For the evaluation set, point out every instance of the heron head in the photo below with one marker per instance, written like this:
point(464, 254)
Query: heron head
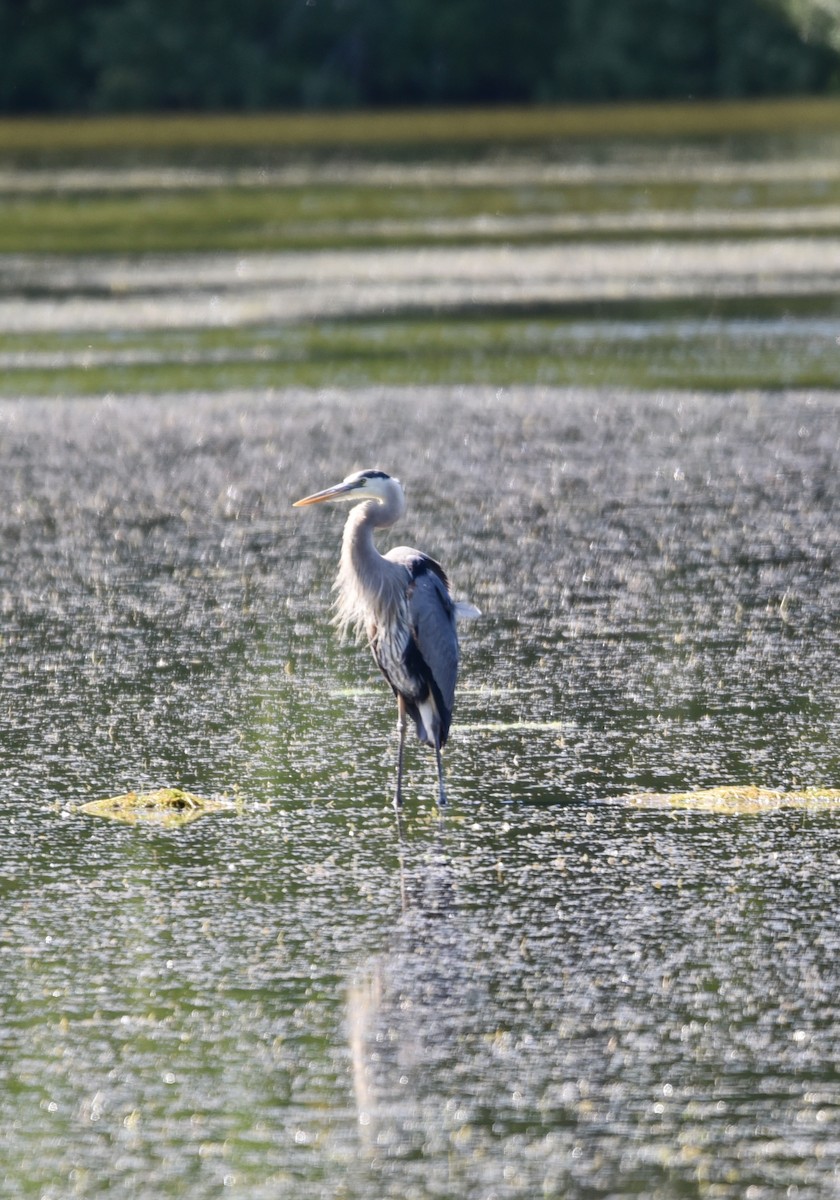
point(361, 485)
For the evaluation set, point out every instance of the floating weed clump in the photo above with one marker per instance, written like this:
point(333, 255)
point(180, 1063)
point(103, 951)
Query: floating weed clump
point(737, 799)
point(166, 807)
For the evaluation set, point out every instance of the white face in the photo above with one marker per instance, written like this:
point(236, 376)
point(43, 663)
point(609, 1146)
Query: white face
point(361, 485)
point(373, 485)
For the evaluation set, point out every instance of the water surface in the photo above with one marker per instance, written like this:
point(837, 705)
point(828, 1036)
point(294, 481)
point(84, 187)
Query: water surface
point(546, 992)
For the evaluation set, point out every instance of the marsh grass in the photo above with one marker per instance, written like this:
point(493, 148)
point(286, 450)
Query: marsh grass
point(551, 349)
point(675, 343)
point(272, 218)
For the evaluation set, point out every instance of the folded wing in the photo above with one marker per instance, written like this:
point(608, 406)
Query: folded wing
point(425, 678)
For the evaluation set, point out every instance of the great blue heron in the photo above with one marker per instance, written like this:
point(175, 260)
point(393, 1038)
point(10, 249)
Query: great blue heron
point(402, 603)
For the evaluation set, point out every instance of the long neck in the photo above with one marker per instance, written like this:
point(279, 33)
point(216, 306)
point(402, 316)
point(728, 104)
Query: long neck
point(357, 545)
point(366, 582)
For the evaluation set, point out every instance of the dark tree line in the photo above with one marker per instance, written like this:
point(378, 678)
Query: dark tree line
point(111, 55)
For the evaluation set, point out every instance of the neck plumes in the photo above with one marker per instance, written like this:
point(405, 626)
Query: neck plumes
point(365, 583)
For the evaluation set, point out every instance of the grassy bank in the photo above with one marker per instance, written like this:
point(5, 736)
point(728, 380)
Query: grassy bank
point(417, 128)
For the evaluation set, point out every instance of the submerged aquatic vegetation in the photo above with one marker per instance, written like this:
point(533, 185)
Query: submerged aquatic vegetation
point(247, 215)
point(634, 346)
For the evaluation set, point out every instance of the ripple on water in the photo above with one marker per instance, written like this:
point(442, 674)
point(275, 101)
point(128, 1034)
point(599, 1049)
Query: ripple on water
point(536, 994)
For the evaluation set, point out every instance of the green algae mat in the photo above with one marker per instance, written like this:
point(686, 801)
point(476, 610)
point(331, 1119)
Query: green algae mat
point(737, 799)
point(167, 807)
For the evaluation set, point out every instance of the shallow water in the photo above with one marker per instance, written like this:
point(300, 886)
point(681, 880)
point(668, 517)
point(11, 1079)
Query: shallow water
point(546, 992)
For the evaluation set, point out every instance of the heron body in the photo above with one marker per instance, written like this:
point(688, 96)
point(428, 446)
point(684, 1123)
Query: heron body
point(401, 602)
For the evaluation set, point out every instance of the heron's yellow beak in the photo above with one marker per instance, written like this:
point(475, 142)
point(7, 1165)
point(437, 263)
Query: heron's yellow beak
point(338, 492)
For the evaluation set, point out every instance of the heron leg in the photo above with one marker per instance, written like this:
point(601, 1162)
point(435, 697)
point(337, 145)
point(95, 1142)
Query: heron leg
point(441, 788)
point(401, 747)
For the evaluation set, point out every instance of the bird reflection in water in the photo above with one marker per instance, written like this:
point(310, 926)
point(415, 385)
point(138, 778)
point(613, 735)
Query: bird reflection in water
point(406, 1011)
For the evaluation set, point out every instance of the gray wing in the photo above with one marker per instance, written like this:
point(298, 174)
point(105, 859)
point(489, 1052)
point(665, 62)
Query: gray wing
point(431, 613)
point(432, 616)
